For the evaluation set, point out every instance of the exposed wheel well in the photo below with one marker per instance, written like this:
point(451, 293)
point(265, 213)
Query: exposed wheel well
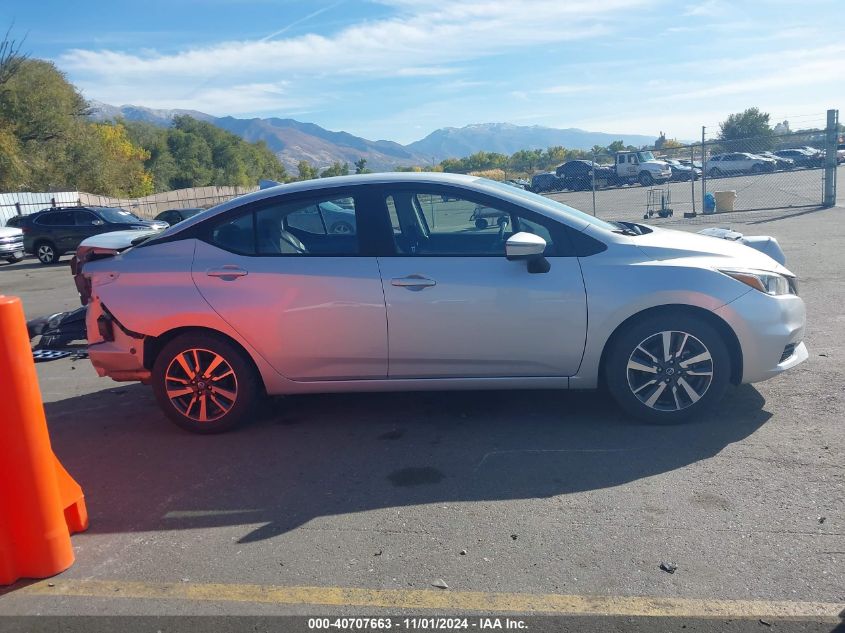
point(154, 344)
point(731, 341)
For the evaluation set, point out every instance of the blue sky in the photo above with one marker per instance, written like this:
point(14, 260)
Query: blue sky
point(398, 69)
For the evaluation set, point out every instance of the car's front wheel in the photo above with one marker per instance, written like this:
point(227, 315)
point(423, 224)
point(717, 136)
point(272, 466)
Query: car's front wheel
point(668, 368)
point(204, 383)
point(646, 179)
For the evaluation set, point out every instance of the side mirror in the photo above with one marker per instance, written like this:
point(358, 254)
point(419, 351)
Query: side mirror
point(524, 246)
point(98, 223)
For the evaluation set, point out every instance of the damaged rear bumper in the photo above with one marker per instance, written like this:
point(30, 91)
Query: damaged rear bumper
point(113, 350)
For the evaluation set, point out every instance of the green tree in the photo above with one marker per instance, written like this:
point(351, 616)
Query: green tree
point(307, 171)
point(361, 166)
point(336, 169)
point(747, 131)
point(616, 146)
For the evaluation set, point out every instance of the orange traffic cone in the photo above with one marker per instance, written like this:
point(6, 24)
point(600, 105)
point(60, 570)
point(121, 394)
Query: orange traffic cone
point(40, 504)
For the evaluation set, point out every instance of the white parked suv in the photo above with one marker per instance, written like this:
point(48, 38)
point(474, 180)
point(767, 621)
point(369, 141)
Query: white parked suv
point(738, 163)
point(11, 244)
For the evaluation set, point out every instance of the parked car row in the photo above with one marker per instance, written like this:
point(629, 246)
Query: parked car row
point(50, 233)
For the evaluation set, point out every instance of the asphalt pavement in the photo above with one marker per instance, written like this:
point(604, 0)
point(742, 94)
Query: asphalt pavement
point(518, 502)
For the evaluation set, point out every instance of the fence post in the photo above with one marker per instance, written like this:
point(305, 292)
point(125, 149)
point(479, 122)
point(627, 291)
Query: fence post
point(593, 171)
point(692, 176)
point(703, 170)
point(829, 199)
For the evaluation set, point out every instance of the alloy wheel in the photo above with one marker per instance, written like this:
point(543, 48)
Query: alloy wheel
point(670, 371)
point(46, 253)
point(201, 385)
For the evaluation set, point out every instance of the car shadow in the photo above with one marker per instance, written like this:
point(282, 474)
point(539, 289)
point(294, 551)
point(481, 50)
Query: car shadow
point(31, 264)
point(310, 456)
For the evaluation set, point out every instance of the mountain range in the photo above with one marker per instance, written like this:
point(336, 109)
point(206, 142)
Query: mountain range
point(293, 141)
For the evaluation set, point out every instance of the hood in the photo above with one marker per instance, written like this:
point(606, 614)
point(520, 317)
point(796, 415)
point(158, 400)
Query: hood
point(153, 224)
point(8, 231)
point(664, 244)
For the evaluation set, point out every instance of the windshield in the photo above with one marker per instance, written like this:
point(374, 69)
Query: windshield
point(645, 156)
point(117, 216)
point(550, 204)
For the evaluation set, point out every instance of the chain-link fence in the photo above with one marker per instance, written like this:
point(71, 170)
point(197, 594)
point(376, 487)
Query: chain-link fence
point(780, 170)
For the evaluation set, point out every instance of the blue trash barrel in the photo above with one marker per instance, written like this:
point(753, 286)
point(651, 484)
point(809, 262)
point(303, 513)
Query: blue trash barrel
point(709, 203)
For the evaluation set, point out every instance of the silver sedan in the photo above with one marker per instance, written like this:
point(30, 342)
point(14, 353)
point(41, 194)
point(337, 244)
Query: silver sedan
point(261, 296)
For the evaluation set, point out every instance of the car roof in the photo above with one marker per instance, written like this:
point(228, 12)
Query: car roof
point(473, 183)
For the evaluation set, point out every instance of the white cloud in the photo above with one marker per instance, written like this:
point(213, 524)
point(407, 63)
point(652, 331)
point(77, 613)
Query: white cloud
point(438, 33)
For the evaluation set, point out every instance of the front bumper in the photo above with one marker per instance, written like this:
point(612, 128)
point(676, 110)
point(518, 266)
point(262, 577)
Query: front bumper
point(770, 332)
point(12, 247)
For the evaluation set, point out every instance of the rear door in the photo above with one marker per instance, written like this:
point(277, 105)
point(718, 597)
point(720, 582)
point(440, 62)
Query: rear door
point(457, 308)
point(59, 228)
point(308, 300)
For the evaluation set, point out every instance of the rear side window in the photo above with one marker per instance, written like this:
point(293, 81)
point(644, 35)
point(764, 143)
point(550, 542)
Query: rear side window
point(56, 218)
point(237, 235)
point(317, 226)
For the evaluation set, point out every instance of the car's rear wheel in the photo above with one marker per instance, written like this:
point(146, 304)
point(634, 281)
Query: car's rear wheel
point(668, 368)
point(204, 383)
point(46, 252)
point(481, 223)
point(14, 259)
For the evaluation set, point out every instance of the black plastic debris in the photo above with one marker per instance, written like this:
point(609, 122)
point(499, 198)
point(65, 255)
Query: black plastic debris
point(669, 568)
point(45, 355)
point(59, 329)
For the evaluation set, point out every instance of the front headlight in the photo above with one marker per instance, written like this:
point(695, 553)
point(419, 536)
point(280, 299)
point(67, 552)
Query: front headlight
point(768, 282)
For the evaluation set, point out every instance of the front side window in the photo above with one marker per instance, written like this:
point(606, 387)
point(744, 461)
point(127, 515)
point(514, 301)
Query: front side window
point(86, 218)
point(440, 224)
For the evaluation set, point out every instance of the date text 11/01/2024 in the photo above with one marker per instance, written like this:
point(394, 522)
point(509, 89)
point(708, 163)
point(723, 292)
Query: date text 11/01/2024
point(416, 624)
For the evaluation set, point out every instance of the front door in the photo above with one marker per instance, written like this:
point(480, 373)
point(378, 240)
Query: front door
point(457, 308)
point(309, 301)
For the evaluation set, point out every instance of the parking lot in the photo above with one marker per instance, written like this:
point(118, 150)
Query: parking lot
point(779, 190)
point(366, 503)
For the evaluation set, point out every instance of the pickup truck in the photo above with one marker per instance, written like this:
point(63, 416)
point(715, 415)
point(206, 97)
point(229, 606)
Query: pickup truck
point(11, 244)
point(641, 167)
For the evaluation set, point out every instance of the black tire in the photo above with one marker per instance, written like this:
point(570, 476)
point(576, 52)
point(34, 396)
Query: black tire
point(46, 252)
point(481, 223)
point(715, 173)
point(502, 221)
point(756, 168)
point(185, 410)
point(14, 259)
point(674, 402)
point(646, 179)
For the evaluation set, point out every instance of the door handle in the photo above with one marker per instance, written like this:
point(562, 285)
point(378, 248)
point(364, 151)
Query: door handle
point(413, 282)
point(227, 273)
